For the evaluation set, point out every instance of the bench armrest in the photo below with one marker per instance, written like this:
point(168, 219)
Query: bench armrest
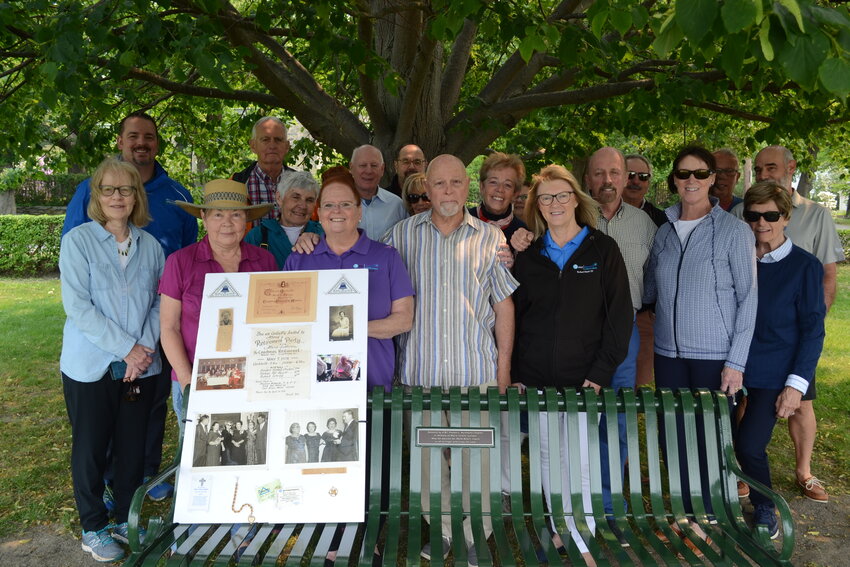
point(787, 542)
point(156, 524)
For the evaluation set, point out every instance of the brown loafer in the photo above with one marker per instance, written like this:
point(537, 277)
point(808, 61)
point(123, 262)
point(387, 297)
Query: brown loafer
point(743, 489)
point(813, 489)
point(691, 545)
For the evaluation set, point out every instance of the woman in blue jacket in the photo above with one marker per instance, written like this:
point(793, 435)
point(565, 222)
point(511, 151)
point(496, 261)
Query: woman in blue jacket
point(701, 278)
point(110, 269)
point(788, 336)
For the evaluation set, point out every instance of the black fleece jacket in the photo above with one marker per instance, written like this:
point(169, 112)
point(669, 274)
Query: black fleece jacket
point(571, 324)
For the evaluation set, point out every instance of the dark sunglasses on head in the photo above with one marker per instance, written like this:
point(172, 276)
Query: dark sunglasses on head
point(641, 176)
point(769, 216)
point(414, 197)
point(698, 173)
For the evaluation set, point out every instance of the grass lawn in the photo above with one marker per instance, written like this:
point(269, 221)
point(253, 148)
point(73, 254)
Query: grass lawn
point(35, 440)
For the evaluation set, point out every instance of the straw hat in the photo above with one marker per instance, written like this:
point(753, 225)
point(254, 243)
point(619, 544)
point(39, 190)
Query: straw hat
point(226, 194)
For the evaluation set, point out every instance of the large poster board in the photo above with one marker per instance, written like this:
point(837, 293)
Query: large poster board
point(275, 427)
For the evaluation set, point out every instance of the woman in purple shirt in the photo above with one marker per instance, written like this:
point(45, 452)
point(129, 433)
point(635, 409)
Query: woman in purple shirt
point(344, 246)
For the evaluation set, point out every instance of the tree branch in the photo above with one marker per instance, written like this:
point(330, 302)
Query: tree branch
point(506, 76)
point(295, 89)
point(413, 93)
point(17, 68)
point(368, 85)
point(530, 102)
point(455, 70)
point(205, 92)
point(734, 112)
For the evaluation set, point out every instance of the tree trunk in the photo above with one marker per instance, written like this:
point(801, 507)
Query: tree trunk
point(7, 203)
point(804, 186)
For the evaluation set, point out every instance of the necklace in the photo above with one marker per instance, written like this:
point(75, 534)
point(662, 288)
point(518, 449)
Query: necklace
point(124, 247)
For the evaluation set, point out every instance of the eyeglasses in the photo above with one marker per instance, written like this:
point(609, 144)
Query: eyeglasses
point(345, 206)
point(769, 216)
point(641, 176)
point(414, 197)
point(563, 197)
point(726, 171)
point(698, 173)
point(123, 190)
point(407, 162)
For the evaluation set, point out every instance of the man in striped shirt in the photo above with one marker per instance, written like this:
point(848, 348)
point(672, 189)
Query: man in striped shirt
point(463, 326)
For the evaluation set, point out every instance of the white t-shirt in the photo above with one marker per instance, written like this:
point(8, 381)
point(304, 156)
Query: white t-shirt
point(684, 228)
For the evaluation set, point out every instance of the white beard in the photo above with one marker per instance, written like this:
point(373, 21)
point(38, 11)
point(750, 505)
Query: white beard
point(449, 209)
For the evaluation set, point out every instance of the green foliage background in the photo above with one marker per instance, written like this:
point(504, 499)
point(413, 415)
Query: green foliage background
point(29, 244)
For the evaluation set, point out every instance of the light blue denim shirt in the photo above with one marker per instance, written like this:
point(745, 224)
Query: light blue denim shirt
point(109, 308)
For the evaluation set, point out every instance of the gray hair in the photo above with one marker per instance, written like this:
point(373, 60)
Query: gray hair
point(297, 180)
point(641, 158)
point(786, 153)
point(262, 121)
point(727, 152)
point(363, 147)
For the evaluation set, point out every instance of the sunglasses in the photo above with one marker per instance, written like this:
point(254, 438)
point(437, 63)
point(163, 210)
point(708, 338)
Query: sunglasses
point(641, 176)
point(414, 197)
point(769, 216)
point(698, 173)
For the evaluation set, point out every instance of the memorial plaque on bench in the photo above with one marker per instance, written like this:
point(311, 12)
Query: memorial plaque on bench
point(469, 437)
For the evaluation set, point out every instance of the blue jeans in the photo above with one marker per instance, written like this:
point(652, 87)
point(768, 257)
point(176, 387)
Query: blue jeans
point(177, 403)
point(753, 436)
point(624, 377)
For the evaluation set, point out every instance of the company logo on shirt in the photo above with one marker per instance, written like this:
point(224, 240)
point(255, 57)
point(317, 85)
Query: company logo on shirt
point(586, 269)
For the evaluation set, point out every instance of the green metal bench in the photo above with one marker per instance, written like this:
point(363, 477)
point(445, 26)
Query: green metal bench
point(521, 528)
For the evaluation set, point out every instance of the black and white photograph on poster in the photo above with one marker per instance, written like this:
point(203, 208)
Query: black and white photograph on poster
point(221, 373)
point(339, 322)
point(231, 439)
point(337, 367)
point(322, 436)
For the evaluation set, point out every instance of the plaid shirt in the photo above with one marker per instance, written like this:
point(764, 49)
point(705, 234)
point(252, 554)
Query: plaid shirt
point(261, 189)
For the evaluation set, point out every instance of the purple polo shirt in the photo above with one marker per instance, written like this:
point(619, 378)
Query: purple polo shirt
point(183, 280)
point(388, 281)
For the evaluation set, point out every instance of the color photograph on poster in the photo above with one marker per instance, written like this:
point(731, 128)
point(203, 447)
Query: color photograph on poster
point(337, 367)
point(275, 408)
point(221, 373)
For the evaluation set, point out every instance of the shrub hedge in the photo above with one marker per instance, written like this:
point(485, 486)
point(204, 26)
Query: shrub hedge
point(29, 244)
point(844, 235)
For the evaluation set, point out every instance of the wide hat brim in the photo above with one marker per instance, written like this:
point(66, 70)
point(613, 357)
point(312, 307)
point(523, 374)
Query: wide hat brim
point(227, 195)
